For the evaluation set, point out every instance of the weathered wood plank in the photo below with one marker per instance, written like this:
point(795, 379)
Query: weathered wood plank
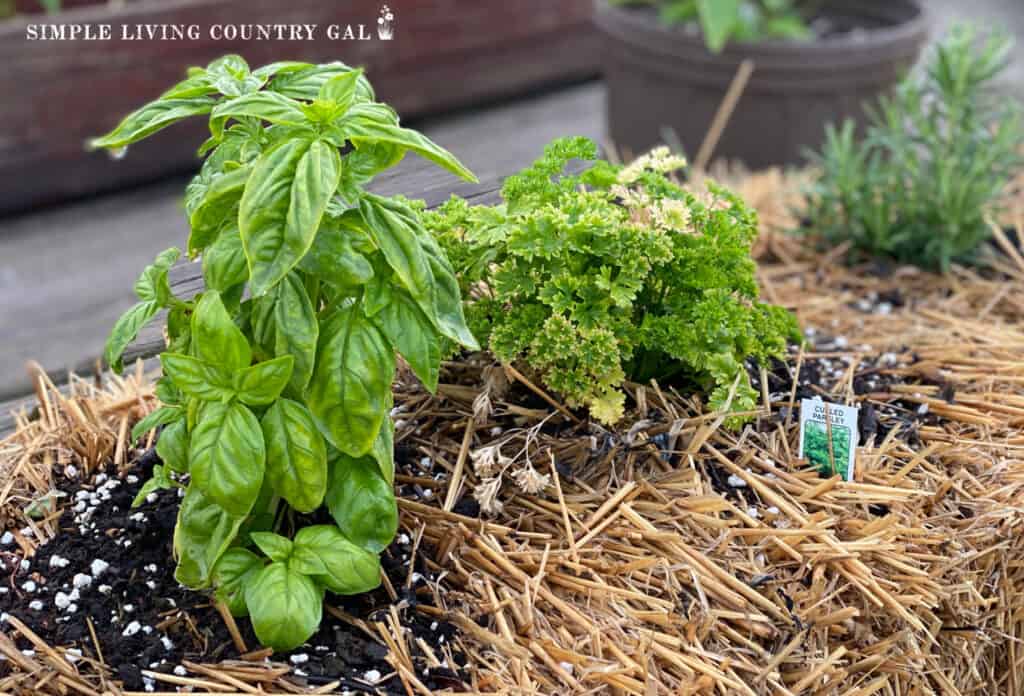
point(444, 54)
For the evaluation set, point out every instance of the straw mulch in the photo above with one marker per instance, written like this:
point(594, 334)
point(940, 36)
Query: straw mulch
point(673, 556)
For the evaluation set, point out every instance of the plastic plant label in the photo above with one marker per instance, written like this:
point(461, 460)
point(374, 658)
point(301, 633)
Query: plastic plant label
point(828, 436)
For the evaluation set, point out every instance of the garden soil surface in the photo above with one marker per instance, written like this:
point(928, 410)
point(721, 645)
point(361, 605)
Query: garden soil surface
point(113, 564)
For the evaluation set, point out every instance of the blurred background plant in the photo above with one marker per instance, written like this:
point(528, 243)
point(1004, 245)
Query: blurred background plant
point(937, 155)
point(739, 20)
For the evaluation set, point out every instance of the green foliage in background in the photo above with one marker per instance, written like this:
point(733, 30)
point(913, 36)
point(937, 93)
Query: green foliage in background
point(936, 157)
point(816, 448)
point(277, 378)
point(615, 273)
point(722, 21)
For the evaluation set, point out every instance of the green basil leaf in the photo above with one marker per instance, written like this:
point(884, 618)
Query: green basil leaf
point(448, 314)
point(224, 264)
point(365, 129)
point(153, 285)
point(362, 502)
point(282, 206)
point(150, 118)
point(203, 533)
point(342, 89)
point(296, 330)
point(167, 392)
point(263, 382)
point(156, 418)
point(412, 333)
point(172, 447)
point(306, 562)
point(383, 450)
point(351, 383)
point(285, 606)
point(264, 327)
point(307, 82)
point(125, 331)
point(277, 547)
point(196, 378)
point(230, 64)
point(281, 67)
point(363, 163)
point(216, 207)
point(158, 481)
point(218, 341)
point(296, 455)
point(227, 456)
point(350, 569)
point(190, 88)
point(397, 239)
point(266, 106)
point(232, 574)
point(333, 259)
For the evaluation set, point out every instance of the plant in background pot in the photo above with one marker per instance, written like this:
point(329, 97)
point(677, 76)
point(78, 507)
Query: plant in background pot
point(812, 64)
point(277, 377)
point(933, 165)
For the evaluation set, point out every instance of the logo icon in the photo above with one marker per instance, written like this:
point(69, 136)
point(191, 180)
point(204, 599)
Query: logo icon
point(386, 24)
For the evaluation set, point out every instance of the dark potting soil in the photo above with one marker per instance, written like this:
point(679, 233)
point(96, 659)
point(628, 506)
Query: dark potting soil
point(114, 565)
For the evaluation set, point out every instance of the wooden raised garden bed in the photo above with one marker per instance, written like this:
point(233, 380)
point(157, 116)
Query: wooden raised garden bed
point(511, 48)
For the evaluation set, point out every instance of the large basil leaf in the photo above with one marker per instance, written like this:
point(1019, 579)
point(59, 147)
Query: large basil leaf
point(224, 264)
point(266, 106)
point(333, 259)
point(411, 332)
point(190, 88)
point(227, 456)
point(153, 284)
point(342, 89)
point(203, 533)
point(296, 455)
point(263, 382)
point(196, 378)
point(383, 450)
point(363, 163)
point(217, 340)
point(349, 568)
point(150, 118)
point(156, 418)
point(362, 502)
point(216, 207)
point(125, 331)
point(307, 82)
point(351, 383)
point(282, 207)
point(172, 447)
point(451, 321)
point(277, 547)
point(369, 129)
point(232, 574)
point(296, 330)
point(396, 238)
point(285, 606)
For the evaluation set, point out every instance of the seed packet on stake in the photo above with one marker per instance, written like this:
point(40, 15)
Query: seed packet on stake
point(828, 436)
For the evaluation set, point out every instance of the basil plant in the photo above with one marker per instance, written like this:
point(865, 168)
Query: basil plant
point(276, 385)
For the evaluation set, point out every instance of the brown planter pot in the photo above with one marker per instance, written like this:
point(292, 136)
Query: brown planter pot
point(665, 81)
point(445, 54)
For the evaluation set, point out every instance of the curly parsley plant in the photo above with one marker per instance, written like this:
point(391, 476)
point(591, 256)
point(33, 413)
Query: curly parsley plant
point(277, 378)
point(611, 274)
